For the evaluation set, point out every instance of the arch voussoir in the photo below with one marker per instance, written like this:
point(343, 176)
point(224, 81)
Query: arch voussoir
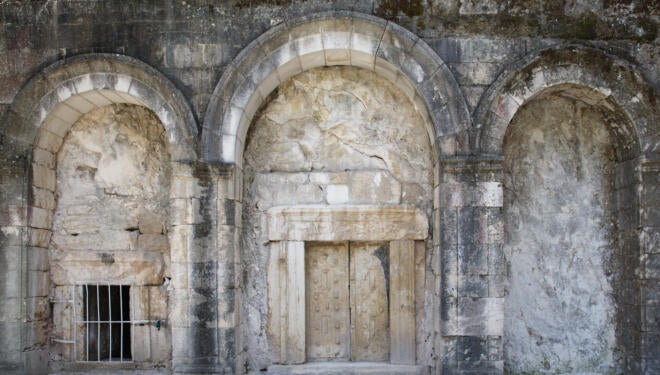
point(342, 38)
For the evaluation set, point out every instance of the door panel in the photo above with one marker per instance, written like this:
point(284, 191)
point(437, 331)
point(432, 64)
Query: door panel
point(369, 267)
point(327, 302)
point(347, 301)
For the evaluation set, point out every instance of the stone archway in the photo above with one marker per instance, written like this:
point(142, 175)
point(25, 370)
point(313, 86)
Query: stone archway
point(347, 142)
point(329, 39)
point(606, 93)
point(36, 125)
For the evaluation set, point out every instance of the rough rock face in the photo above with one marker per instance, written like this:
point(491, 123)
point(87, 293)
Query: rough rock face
point(113, 189)
point(336, 135)
point(559, 314)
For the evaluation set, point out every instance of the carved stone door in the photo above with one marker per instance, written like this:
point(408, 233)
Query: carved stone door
point(347, 301)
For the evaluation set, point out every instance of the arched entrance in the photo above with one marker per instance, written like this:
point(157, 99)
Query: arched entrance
point(337, 199)
point(271, 62)
point(37, 125)
point(573, 147)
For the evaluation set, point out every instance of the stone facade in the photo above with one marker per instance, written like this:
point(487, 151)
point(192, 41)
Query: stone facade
point(445, 187)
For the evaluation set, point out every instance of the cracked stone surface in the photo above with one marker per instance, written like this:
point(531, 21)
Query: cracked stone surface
point(337, 135)
point(112, 186)
point(559, 312)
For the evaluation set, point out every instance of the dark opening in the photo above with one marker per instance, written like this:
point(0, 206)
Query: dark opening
point(107, 322)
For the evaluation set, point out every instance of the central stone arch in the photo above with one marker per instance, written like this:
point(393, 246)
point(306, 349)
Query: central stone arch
point(327, 39)
point(301, 45)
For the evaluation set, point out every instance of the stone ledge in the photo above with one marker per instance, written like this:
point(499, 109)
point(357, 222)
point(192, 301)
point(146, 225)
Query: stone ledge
point(346, 223)
point(348, 368)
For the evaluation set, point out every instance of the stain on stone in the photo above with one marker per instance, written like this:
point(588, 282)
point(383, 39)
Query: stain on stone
point(383, 255)
point(230, 212)
point(391, 9)
point(107, 258)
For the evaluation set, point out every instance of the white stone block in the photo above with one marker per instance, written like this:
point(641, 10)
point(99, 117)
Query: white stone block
point(489, 194)
point(337, 194)
point(337, 57)
point(66, 113)
point(80, 104)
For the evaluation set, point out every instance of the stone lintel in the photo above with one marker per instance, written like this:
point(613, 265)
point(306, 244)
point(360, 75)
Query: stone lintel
point(115, 267)
point(346, 223)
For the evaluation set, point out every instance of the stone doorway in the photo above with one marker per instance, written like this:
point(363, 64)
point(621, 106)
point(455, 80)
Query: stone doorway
point(347, 296)
point(341, 283)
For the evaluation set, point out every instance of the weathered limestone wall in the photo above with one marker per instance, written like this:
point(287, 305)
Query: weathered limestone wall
point(56, 64)
point(111, 221)
point(560, 312)
point(328, 136)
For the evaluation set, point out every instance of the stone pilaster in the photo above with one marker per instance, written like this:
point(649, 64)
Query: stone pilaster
point(649, 249)
point(469, 214)
point(203, 300)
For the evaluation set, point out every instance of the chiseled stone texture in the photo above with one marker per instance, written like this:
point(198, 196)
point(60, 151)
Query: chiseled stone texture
point(559, 313)
point(328, 136)
point(109, 225)
point(112, 182)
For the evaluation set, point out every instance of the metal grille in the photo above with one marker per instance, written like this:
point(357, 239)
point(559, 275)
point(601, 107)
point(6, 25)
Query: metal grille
point(105, 322)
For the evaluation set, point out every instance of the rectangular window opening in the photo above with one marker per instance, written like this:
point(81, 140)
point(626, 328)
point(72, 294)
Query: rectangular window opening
point(106, 323)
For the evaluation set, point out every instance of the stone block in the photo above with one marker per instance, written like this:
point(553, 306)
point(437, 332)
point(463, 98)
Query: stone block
point(651, 318)
point(108, 240)
point(495, 226)
point(123, 267)
point(36, 333)
point(449, 227)
point(473, 259)
point(480, 317)
point(497, 286)
point(185, 211)
point(476, 7)
point(474, 286)
point(488, 194)
point(650, 365)
point(496, 260)
point(473, 95)
point(41, 218)
point(150, 223)
point(10, 309)
point(11, 339)
point(161, 345)
point(14, 217)
point(652, 266)
point(43, 177)
point(186, 187)
point(453, 195)
point(36, 360)
point(473, 226)
point(179, 303)
point(49, 141)
point(44, 158)
point(471, 351)
point(475, 73)
point(37, 308)
point(39, 284)
point(43, 198)
point(650, 345)
point(141, 343)
point(37, 259)
point(337, 194)
point(650, 240)
point(153, 242)
point(373, 187)
point(334, 223)
point(39, 237)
